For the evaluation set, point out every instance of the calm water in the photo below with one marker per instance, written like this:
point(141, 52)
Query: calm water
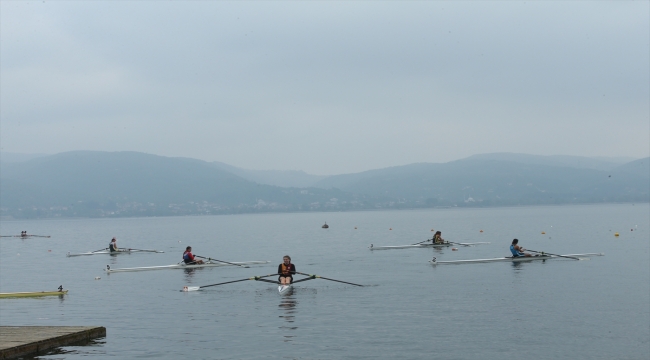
point(595, 309)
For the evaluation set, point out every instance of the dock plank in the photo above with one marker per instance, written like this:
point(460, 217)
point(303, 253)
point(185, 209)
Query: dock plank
point(18, 341)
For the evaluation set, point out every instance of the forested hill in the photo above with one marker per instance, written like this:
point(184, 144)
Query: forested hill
point(101, 184)
point(86, 183)
point(486, 182)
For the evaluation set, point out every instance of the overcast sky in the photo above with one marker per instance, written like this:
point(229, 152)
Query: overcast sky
point(326, 87)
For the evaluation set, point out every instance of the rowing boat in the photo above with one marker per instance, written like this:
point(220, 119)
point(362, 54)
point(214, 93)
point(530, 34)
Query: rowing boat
point(119, 251)
point(282, 289)
point(415, 246)
point(182, 265)
point(32, 294)
point(514, 259)
point(285, 289)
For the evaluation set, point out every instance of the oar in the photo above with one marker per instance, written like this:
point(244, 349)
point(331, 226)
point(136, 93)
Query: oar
point(542, 252)
point(320, 277)
point(461, 244)
point(225, 262)
point(100, 250)
point(195, 288)
point(148, 250)
point(422, 241)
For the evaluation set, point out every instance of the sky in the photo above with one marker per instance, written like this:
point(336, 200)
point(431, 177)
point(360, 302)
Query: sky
point(326, 87)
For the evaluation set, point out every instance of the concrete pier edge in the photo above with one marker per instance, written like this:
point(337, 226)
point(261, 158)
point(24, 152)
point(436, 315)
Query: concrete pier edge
point(19, 341)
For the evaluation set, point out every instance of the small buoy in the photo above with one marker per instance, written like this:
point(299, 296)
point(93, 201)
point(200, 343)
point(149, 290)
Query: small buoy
point(390, 229)
point(432, 230)
point(97, 278)
point(454, 249)
point(543, 232)
point(179, 241)
point(355, 228)
point(615, 234)
point(49, 251)
point(631, 229)
point(481, 231)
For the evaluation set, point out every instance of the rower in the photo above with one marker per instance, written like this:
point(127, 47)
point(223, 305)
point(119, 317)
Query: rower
point(113, 245)
point(517, 250)
point(286, 270)
point(437, 238)
point(23, 234)
point(188, 257)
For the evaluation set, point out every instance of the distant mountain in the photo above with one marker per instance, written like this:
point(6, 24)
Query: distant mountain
point(101, 184)
point(578, 162)
point(639, 167)
point(486, 182)
point(87, 183)
point(284, 178)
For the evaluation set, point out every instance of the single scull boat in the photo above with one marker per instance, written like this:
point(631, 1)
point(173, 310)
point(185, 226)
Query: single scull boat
point(34, 293)
point(182, 265)
point(282, 289)
point(516, 259)
point(119, 251)
point(372, 247)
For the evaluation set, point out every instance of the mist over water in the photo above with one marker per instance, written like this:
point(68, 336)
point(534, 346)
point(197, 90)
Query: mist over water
point(561, 308)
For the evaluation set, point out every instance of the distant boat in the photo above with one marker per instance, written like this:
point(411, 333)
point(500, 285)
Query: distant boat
point(325, 226)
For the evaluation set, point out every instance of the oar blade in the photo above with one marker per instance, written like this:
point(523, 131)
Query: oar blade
point(190, 288)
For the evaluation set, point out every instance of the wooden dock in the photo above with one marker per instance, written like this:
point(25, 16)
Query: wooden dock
point(20, 341)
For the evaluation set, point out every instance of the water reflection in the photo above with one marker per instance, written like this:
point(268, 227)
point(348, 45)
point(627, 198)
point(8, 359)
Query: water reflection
point(189, 274)
point(288, 307)
point(518, 265)
point(112, 259)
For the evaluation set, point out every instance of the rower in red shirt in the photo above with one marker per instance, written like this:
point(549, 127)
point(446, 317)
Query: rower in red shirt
point(188, 257)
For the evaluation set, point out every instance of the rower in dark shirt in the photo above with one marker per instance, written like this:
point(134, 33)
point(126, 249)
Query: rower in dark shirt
point(286, 270)
point(437, 238)
point(112, 247)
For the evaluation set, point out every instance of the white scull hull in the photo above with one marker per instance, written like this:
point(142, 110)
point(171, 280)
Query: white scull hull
point(120, 251)
point(513, 259)
point(284, 289)
point(372, 247)
point(182, 265)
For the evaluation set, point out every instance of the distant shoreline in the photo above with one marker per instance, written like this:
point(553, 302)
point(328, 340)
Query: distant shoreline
point(10, 218)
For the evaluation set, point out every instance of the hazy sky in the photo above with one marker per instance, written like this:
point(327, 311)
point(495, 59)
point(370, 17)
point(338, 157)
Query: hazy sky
point(326, 87)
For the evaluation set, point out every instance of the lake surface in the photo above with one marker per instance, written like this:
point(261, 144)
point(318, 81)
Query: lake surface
point(556, 309)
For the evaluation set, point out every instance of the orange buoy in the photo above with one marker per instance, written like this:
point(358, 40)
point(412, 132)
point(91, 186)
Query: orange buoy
point(481, 231)
point(543, 232)
point(616, 234)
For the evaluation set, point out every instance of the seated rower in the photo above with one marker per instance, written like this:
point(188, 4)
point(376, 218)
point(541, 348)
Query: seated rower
point(517, 250)
point(286, 270)
point(437, 238)
point(112, 247)
point(188, 257)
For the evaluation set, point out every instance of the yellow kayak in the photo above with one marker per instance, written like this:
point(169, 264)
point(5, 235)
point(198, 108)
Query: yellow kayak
point(32, 294)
